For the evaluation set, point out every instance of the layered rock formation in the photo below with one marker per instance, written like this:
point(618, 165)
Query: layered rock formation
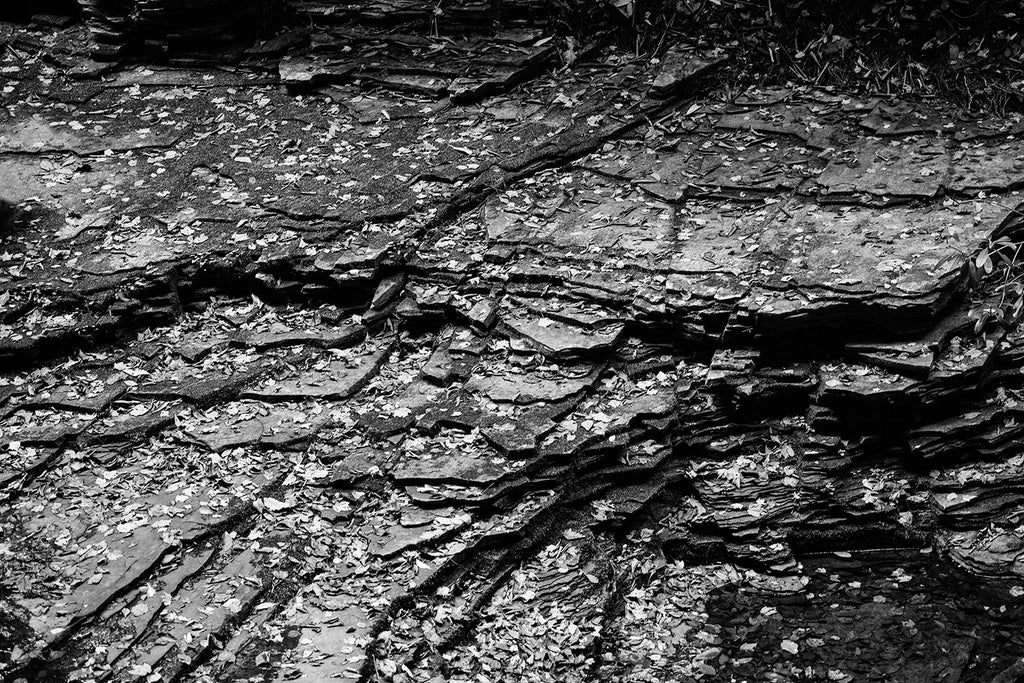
point(327, 371)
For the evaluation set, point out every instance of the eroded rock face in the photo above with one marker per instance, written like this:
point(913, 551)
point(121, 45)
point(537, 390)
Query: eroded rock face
point(362, 377)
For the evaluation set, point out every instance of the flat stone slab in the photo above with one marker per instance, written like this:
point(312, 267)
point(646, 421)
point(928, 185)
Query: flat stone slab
point(45, 427)
point(560, 340)
point(802, 121)
point(91, 391)
point(582, 216)
point(464, 70)
point(458, 469)
point(277, 426)
point(680, 68)
point(334, 638)
point(993, 167)
point(319, 335)
point(136, 253)
point(35, 136)
point(327, 379)
point(200, 390)
point(898, 250)
point(740, 165)
point(914, 167)
point(531, 387)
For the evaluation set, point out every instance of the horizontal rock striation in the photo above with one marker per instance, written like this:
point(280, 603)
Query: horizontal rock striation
point(323, 370)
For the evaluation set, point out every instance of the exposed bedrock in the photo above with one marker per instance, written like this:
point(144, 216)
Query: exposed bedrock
point(324, 371)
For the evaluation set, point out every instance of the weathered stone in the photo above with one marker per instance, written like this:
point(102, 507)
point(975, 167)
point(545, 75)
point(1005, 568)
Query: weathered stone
point(797, 120)
point(648, 374)
point(404, 410)
point(326, 379)
point(278, 426)
point(37, 135)
point(397, 538)
point(559, 340)
point(916, 167)
point(23, 462)
point(769, 166)
point(483, 313)
point(202, 391)
point(213, 604)
point(325, 336)
point(998, 167)
point(131, 425)
point(306, 72)
point(460, 468)
point(387, 290)
point(680, 68)
point(43, 427)
point(532, 387)
point(140, 611)
point(354, 464)
point(335, 638)
point(89, 392)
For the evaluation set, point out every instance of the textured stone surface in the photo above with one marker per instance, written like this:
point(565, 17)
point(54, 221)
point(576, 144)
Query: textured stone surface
point(416, 361)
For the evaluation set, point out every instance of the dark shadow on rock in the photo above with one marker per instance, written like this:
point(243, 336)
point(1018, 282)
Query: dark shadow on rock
point(8, 214)
point(915, 616)
point(22, 11)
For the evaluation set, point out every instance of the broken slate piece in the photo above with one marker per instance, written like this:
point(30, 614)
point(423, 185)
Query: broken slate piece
point(560, 340)
point(451, 467)
point(531, 387)
point(278, 427)
point(483, 314)
point(323, 336)
point(679, 68)
point(387, 290)
point(299, 72)
point(329, 380)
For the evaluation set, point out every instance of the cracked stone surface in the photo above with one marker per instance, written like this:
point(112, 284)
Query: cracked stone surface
point(369, 357)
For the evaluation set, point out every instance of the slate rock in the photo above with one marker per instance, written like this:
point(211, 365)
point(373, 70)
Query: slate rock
point(559, 340)
point(680, 67)
point(326, 379)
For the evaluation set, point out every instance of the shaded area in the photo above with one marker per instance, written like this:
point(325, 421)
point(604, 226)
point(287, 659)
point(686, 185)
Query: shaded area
point(919, 618)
